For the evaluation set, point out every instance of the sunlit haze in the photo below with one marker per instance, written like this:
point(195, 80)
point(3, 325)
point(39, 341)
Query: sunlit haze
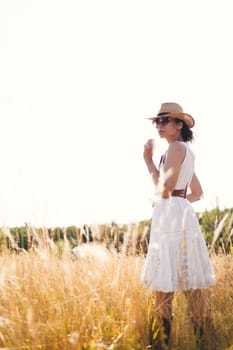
point(79, 78)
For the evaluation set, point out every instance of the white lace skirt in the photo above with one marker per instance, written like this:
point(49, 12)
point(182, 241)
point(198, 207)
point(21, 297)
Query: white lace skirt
point(177, 258)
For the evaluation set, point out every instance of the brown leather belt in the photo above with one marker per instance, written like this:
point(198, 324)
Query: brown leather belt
point(179, 193)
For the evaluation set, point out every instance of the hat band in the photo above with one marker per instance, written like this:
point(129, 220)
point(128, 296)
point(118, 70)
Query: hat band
point(163, 113)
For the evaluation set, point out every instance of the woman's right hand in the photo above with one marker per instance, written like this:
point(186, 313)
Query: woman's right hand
point(149, 150)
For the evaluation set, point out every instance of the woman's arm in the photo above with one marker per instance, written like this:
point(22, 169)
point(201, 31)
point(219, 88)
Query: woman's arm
point(175, 156)
point(196, 189)
point(148, 157)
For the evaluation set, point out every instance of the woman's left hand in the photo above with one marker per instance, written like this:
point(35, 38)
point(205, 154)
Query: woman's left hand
point(149, 150)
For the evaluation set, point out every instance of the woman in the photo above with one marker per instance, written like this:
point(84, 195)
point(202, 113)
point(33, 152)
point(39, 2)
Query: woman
point(177, 257)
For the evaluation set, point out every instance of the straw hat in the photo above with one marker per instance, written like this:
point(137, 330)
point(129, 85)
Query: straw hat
point(174, 110)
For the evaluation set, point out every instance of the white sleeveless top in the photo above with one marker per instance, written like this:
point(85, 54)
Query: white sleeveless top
point(186, 170)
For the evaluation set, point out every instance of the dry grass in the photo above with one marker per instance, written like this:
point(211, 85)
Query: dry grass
point(49, 301)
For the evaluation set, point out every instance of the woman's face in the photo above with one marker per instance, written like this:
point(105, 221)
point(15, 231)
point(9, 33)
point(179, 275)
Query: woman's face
point(168, 128)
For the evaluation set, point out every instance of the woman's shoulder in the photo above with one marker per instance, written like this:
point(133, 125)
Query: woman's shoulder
point(177, 146)
point(176, 152)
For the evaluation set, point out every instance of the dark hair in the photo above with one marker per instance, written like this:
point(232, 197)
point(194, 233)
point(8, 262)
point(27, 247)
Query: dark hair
point(186, 133)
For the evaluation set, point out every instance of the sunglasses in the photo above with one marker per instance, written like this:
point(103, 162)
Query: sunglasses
point(161, 121)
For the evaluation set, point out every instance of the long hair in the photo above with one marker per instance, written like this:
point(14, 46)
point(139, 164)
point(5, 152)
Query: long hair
point(186, 132)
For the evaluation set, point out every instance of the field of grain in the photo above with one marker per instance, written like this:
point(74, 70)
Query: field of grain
point(52, 300)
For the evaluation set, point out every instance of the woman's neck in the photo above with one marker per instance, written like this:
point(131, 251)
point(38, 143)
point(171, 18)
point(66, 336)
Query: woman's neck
point(174, 139)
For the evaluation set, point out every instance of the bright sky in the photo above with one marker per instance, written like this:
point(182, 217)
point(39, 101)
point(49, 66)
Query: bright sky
point(77, 80)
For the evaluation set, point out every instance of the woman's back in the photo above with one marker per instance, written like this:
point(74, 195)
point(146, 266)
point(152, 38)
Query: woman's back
point(186, 170)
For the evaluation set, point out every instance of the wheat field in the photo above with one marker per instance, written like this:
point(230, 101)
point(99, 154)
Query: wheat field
point(54, 300)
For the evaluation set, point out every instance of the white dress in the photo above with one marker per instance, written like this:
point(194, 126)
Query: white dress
point(177, 257)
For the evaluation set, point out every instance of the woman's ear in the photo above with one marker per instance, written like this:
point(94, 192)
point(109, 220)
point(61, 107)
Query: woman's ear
point(180, 125)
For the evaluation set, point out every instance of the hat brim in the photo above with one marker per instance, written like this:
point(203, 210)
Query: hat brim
point(187, 118)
